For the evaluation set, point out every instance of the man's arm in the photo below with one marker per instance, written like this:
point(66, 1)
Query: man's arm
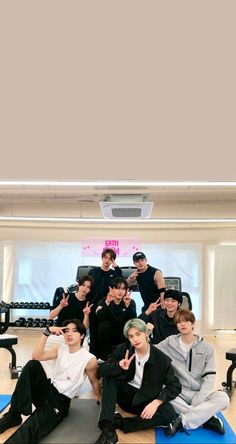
point(39, 353)
point(63, 303)
point(160, 283)
point(208, 378)
point(91, 370)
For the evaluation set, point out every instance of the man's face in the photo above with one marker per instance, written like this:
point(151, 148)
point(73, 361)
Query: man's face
point(141, 264)
point(185, 327)
point(137, 338)
point(107, 261)
point(71, 335)
point(171, 305)
point(85, 288)
point(119, 293)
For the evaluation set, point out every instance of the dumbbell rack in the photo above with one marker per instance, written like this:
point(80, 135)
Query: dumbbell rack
point(26, 306)
point(6, 341)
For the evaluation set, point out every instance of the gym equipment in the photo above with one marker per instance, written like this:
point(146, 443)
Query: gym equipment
point(4, 401)
point(28, 322)
point(230, 384)
point(7, 341)
point(79, 427)
point(35, 322)
point(83, 270)
point(47, 305)
point(43, 322)
point(199, 435)
point(20, 322)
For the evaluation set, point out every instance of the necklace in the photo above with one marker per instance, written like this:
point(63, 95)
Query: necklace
point(141, 361)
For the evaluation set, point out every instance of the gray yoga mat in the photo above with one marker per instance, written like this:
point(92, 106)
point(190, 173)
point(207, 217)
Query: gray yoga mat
point(79, 427)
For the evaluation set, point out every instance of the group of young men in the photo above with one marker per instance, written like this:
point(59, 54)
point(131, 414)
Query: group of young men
point(160, 370)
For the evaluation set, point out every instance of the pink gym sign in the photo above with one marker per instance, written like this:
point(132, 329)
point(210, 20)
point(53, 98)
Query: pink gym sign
point(123, 247)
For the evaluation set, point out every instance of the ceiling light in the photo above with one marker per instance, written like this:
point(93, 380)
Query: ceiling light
point(114, 221)
point(114, 183)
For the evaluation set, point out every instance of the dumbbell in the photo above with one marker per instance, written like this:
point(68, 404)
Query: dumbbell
point(31, 304)
point(47, 305)
point(22, 305)
point(20, 322)
point(28, 322)
point(50, 322)
point(35, 322)
point(43, 322)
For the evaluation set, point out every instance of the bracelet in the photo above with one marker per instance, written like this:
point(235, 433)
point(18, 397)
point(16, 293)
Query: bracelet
point(47, 332)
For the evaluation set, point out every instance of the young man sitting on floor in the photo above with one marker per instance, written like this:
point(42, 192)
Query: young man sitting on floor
point(50, 397)
point(141, 380)
point(194, 365)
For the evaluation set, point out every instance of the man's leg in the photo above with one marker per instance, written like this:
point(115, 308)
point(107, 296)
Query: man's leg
point(32, 387)
point(163, 416)
point(42, 421)
point(104, 336)
point(195, 416)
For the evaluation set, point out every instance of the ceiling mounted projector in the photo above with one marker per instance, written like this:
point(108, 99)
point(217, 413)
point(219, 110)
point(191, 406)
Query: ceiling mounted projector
point(126, 206)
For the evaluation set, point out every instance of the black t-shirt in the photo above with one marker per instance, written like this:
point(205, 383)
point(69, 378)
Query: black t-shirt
point(102, 281)
point(73, 311)
point(147, 287)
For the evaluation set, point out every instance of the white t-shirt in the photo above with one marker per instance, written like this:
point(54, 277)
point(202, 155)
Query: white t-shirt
point(139, 367)
point(69, 371)
point(185, 347)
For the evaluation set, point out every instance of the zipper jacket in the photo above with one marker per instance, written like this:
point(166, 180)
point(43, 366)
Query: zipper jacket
point(196, 372)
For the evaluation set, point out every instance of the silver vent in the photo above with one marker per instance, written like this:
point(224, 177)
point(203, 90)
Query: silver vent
point(126, 207)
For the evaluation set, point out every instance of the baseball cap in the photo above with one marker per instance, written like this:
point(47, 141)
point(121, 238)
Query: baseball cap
point(138, 255)
point(174, 294)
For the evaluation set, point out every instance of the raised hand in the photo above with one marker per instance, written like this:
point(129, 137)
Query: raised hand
point(87, 309)
point(153, 306)
point(127, 298)
point(57, 331)
point(134, 275)
point(109, 297)
point(150, 327)
point(64, 302)
point(125, 363)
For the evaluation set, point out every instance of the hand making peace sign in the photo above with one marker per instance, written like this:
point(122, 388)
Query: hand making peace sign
point(64, 302)
point(125, 363)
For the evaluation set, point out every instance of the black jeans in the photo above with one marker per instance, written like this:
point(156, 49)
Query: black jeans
point(123, 393)
point(33, 387)
point(109, 335)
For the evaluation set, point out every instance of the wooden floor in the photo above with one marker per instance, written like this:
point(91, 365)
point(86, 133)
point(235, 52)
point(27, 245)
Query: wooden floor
point(27, 338)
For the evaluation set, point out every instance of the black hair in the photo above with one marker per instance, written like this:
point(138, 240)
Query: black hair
point(117, 281)
point(80, 327)
point(86, 278)
point(109, 251)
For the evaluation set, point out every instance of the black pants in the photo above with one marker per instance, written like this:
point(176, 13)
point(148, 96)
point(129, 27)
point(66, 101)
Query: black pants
point(93, 334)
point(33, 387)
point(109, 335)
point(123, 393)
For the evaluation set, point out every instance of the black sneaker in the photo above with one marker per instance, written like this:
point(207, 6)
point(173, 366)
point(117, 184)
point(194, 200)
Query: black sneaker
point(215, 424)
point(174, 426)
point(118, 421)
point(9, 420)
point(107, 437)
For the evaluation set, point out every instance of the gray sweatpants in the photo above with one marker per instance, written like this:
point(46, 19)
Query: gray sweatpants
point(195, 416)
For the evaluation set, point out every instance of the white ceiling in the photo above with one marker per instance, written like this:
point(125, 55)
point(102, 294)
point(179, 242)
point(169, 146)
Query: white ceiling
point(169, 201)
